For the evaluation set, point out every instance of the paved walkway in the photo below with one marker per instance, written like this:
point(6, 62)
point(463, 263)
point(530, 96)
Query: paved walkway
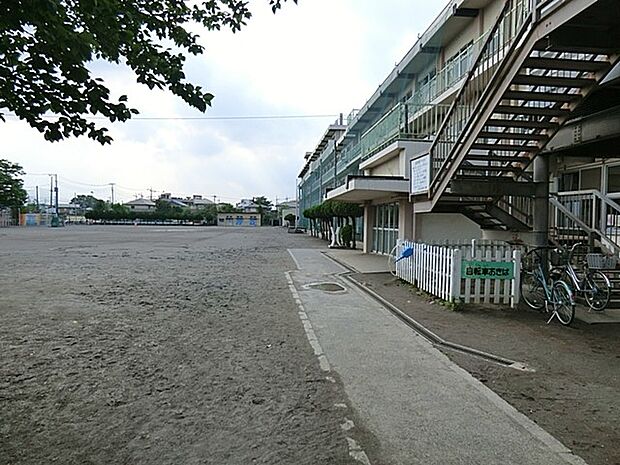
point(359, 261)
point(422, 408)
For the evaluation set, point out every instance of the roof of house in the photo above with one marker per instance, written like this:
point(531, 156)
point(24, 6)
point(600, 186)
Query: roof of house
point(200, 201)
point(143, 202)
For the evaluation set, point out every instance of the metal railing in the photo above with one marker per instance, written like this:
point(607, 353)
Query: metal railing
point(521, 208)
point(453, 71)
point(591, 211)
point(347, 155)
point(405, 121)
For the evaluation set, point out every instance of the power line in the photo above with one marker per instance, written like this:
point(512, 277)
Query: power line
point(201, 118)
point(78, 183)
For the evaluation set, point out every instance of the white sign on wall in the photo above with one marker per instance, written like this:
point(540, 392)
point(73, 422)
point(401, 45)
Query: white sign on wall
point(420, 174)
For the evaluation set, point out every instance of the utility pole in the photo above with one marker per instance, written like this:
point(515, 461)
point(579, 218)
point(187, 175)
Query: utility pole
point(56, 195)
point(151, 195)
point(51, 190)
point(112, 189)
point(37, 196)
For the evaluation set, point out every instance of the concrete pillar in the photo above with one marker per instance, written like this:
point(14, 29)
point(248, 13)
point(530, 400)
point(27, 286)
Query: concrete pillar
point(369, 221)
point(541, 202)
point(405, 220)
point(541, 207)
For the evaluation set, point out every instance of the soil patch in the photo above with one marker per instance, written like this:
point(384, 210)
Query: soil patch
point(147, 345)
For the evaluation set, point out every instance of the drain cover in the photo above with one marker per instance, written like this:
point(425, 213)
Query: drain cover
point(327, 287)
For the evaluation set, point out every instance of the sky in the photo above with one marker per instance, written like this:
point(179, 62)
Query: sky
point(316, 59)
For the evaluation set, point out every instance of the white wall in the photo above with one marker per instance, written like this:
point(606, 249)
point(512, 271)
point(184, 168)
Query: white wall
point(433, 227)
point(389, 168)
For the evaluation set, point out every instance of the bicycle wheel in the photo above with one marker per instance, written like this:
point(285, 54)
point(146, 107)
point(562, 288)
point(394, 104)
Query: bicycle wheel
point(563, 302)
point(599, 290)
point(392, 257)
point(532, 290)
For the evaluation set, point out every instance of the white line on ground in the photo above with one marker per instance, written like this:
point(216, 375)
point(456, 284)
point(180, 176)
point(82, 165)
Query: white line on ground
point(355, 450)
point(294, 259)
point(347, 425)
point(310, 334)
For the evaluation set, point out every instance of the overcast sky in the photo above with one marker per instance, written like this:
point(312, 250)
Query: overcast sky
point(321, 57)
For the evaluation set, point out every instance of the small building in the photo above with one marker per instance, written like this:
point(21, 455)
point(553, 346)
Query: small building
point(288, 207)
point(239, 219)
point(141, 205)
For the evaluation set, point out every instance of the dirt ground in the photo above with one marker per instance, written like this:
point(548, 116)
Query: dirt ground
point(574, 392)
point(158, 345)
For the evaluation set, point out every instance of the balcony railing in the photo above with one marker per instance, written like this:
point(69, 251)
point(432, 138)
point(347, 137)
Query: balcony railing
point(347, 155)
point(449, 75)
point(406, 121)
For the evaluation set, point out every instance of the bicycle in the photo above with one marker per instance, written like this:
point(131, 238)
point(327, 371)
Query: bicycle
point(593, 285)
point(539, 293)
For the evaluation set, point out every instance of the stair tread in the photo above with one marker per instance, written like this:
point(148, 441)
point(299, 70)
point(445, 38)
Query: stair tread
point(552, 81)
point(540, 96)
point(505, 147)
point(564, 64)
point(485, 157)
point(493, 122)
point(525, 110)
point(512, 136)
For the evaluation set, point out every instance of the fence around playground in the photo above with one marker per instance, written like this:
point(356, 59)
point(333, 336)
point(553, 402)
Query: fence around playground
point(475, 272)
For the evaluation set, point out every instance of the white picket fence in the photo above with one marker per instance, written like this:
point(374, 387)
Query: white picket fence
point(437, 269)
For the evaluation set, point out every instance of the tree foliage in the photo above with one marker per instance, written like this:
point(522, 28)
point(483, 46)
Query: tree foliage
point(86, 202)
point(322, 215)
point(45, 47)
point(118, 212)
point(12, 193)
point(333, 209)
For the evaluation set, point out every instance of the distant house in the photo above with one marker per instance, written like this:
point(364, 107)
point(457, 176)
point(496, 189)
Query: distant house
point(239, 219)
point(140, 205)
point(247, 206)
point(70, 209)
point(173, 201)
point(196, 202)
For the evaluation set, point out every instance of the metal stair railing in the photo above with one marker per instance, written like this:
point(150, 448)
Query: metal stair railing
point(521, 208)
point(566, 227)
point(599, 213)
point(507, 30)
point(496, 55)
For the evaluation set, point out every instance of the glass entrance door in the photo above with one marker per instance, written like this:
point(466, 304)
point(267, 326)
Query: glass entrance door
point(385, 228)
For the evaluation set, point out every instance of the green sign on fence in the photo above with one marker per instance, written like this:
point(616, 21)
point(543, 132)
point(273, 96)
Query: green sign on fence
point(474, 269)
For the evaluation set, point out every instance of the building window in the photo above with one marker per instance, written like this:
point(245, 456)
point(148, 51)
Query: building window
point(613, 179)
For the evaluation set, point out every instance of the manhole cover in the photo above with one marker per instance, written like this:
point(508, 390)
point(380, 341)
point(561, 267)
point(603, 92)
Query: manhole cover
point(327, 287)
